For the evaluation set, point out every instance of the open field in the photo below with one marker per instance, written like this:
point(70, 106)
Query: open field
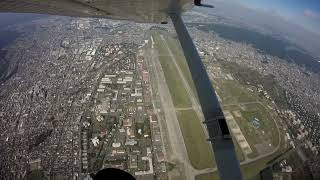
point(177, 90)
point(199, 152)
point(246, 75)
point(35, 175)
point(233, 93)
point(267, 127)
point(198, 148)
point(255, 120)
point(249, 171)
point(181, 60)
point(262, 138)
point(250, 113)
point(208, 176)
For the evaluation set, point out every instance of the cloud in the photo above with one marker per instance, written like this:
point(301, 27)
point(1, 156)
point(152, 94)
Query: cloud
point(311, 14)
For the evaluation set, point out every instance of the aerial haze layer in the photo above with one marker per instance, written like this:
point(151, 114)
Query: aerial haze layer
point(81, 94)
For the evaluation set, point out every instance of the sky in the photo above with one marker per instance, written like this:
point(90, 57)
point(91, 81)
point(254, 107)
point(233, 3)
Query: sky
point(303, 12)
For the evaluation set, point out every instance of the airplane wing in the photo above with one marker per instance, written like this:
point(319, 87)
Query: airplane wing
point(153, 11)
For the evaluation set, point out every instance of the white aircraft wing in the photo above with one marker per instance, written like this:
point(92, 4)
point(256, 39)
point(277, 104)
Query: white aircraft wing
point(155, 11)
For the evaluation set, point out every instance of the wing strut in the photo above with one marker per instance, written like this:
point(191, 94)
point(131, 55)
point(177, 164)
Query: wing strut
point(219, 135)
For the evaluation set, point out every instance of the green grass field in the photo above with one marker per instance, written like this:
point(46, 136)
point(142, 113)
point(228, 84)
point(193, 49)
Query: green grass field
point(208, 176)
point(249, 171)
point(266, 121)
point(266, 133)
point(236, 97)
point(199, 152)
point(181, 60)
point(35, 175)
point(233, 93)
point(247, 75)
point(177, 90)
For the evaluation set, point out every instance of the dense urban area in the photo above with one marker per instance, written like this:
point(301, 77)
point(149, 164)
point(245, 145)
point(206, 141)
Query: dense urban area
point(78, 95)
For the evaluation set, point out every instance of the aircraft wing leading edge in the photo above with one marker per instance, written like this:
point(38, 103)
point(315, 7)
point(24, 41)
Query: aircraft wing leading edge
point(152, 11)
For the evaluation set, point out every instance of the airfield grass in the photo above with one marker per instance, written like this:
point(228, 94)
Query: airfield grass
point(176, 48)
point(208, 176)
point(177, 90)
point(250, 171)
point(246, 75)
point(236, 97)
point(35, 175)
point(233, 93)
point(266, 133)
point(266, 122)
point(199, 151)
